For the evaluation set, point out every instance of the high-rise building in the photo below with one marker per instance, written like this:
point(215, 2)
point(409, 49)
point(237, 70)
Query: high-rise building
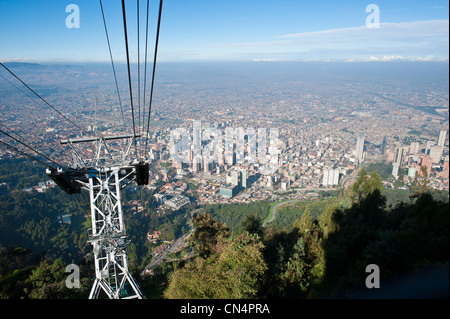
point(441, 140)
point(390, 156)
point(197, 136)
point(234, 178)
point(445, 169)
point(269, 181)
point(206, 167)
point(399, 155)
point(360, 147)
point(228, 191)
point(411, 172)
point(414, 147)
point(383, 145)
point(336, 177)
point(325, 177)
point(261, 145)
point(330, 177)
point(428, 146)
point(285, 184)
point(395, 167)
point(244, 178)
point(196, 164)
point(427, 162)
point(436, 153)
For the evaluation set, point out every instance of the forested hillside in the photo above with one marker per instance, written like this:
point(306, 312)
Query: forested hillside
point(313, 249)
point(327, 257)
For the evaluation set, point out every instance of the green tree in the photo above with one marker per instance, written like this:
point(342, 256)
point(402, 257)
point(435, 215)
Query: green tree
point(317, 258)
point(305, 224)
point(233, 271)
point(366, 184)
point(206, 234)
point(296, 276)
point(421, 181)
point(327, 221)
point(252, 225)
point(47, 281)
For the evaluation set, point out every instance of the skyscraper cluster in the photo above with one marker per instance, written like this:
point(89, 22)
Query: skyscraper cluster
point(360, 147)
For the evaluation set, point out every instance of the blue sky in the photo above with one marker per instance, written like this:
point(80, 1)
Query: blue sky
point(232, 30)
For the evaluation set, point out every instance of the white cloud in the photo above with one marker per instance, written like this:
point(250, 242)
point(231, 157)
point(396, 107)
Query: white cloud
point(404, 31)
point(388, 58)
point(412, 41)
point(17, 60)
point(267, 60)
point(385, 58)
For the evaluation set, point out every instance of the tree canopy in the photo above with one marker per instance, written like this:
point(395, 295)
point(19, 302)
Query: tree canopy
point(232, 270)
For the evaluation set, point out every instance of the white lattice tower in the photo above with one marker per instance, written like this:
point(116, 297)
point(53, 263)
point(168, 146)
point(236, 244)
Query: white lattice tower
point(108, 235)
point(104, 176)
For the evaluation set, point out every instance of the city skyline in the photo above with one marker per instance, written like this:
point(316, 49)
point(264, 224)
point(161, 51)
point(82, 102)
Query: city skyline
point(229, 31)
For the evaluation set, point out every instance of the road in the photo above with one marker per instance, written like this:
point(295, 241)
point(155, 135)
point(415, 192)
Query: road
point(175, 246)
point(274, 210)
point(348, 180)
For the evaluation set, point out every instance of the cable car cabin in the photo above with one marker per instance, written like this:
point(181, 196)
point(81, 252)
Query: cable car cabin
point(68, 185)
point(141, 173)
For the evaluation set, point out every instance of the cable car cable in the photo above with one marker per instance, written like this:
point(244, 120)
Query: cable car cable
point(129, 72)
point(139, 72)
point(29, 147)
point(22, 91)
point(43, 99)
point(25, 154)
point(19, 136)
point(112, 63)
point(153, 75)
point(145, 67)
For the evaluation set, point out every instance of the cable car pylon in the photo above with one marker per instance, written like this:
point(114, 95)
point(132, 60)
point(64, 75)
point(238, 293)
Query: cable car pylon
point(104, 176)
